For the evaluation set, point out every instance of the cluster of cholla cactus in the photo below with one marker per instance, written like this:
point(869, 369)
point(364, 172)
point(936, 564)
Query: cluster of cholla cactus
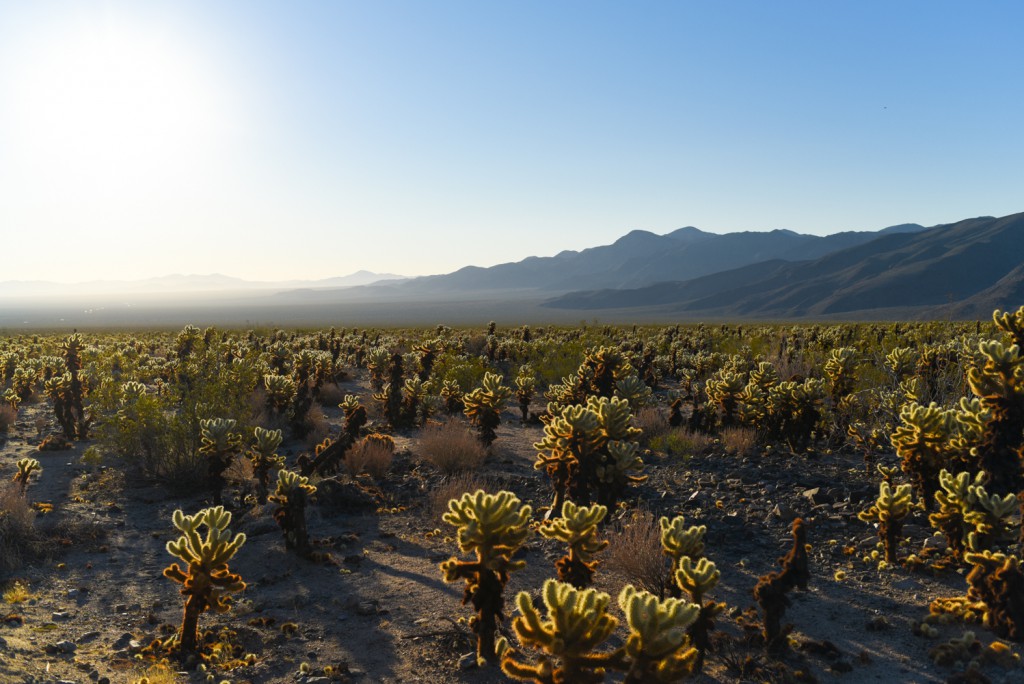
point(290, 499)
point(889, 510)
point(588, 451)
point(220, 445)
point(484, 404)
point(492, 527)
point(67, 391)
point(578, 624)
point(771, 589)
point(605, 372)
point(969, 516)
point(206, 579)
point(264, 458)
point(280, 394)
point(451, 394)
point(578, 528)
point(27, 467)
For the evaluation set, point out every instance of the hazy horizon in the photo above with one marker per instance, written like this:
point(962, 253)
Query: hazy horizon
point(311, 140)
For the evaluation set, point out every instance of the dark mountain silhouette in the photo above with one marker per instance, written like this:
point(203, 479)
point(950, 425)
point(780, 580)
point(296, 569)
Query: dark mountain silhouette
point(641, 258)
point(963, 269)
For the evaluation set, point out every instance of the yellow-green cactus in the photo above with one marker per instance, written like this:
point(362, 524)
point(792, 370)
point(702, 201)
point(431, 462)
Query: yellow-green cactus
point(491, 527)
point(679, 541)
point(526, 386)
point(902, 361)
point(26, 468)
point(999, 384)
point(991, 516)
point(889, 510)
point(725, 390)
point(220, 445)
point(997, 582)
point(1011, 324)
point(658, 645)
point(291, 496)
point(578, 528)
point(206, 581)
point(840, 368)
point(697, 578)
point(922, 441)
point(483, 406)
point(577, 624)
point(264, 458)
point(954, 499)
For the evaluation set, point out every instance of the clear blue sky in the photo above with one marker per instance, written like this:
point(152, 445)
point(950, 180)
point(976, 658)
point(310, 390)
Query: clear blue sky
point(277, 140)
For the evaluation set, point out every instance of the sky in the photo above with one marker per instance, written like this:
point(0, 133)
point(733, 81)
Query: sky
point(270, 140)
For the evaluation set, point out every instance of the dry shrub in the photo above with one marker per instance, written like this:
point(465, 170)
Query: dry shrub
point(453, 487)
point(8, 414)
point(652, 421)
point(319, 428)
point(18, 536)
point(634, 552)
point(451, 447)
point(240, 473)
point(740, 440)
point(331, 395)
point(372, 455)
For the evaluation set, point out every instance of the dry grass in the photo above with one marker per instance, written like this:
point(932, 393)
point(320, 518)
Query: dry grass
point(451, 447)
point(370, 456)
point(653, 421)
point(452, 488)
point(8, 415)
point(18, 536)
point(740, 440)
point(681, 442)
point(634, 552)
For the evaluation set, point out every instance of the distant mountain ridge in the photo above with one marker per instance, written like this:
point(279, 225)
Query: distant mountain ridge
point(964, 269)
point(642, 258)
point(177, 282)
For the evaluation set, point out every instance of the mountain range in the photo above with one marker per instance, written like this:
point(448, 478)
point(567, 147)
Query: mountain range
point(959, 270)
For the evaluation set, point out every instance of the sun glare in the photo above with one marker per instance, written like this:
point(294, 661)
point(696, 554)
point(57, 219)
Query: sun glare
point(114, 108)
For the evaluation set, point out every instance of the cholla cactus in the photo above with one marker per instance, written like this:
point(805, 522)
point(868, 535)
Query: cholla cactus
point(578, 528)
point(770, 591)
point(600, 370)
point(922, 441)
point(492, 527)
point(990, 517)
point(577, 624)
point(206, 581)
point(794, 410)
point(220, 445)
point(840, 368)
point(526, 386)
point(451, 393)
point(1011, 323)
point(280, 393)
point(633, 390)
point(999, 383)
point(889, 510)
point(483, 406)
point(12, 398)
point(679, 541)
point(724, 389)
point(901, 362)
point(954, 499)
point(588, 451)
point(26, 468)
point(658, 645)
point(697, 578)
point(355, 415)
point(996, 580)
point(264, 458)
point(377, 363)
point(292, 493)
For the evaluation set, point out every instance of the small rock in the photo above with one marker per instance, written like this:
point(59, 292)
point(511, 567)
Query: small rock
point(123, 641)
point(121, 608)
point(66, 646)
point(88, 636)
point(59, 616)
point(937, 543)
point(468, 661)
point(907, 584)
point(73, 593)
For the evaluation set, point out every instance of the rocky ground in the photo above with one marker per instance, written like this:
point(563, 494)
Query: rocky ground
point(379, 611)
